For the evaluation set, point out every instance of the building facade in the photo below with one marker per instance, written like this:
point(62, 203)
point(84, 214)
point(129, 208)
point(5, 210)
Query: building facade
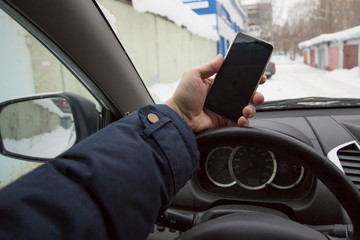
point(259, 18)
point(225, 16)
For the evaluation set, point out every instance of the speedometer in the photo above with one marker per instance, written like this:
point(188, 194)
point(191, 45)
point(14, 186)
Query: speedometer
point(252, 168)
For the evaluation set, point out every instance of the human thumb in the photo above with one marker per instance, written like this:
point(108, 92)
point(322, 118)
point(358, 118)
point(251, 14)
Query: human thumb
point(209, 69)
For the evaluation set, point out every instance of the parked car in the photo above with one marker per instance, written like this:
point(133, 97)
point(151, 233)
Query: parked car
point(270, 70)
point(296, 170)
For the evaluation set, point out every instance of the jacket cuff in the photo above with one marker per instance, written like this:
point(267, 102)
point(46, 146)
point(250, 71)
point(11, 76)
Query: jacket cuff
point(175, 138)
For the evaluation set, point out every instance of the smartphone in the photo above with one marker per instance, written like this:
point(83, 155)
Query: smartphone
point(238, 77)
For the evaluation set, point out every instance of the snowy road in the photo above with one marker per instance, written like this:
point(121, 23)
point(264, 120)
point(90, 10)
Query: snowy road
point(293, 80)
point(296, 80)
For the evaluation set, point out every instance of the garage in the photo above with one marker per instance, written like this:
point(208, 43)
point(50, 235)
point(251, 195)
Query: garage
point(334, 50)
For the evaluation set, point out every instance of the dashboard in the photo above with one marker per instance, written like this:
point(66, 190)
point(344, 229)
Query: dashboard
point(250, 173)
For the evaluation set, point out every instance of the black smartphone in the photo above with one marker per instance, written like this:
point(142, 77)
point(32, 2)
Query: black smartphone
point(239, 76)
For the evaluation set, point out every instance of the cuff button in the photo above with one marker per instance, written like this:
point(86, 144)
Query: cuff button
point(152, 118)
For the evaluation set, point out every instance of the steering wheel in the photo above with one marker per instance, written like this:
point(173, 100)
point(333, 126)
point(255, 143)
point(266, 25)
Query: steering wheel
point(260, 226)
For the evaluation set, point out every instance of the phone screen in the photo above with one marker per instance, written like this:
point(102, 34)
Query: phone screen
point(238, 77)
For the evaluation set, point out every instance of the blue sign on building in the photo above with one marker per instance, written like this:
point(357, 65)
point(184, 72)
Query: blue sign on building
point(202, 6)
point(225, 16)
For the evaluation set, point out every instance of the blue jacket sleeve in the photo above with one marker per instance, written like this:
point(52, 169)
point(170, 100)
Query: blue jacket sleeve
point(112, 185)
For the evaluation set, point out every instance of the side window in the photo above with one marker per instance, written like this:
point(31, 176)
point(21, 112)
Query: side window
point(29, 68)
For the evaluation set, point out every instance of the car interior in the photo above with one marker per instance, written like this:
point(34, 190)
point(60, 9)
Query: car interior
point(293, 174)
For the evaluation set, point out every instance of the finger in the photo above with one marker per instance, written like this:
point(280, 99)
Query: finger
point(208, 82)
point(263, 79)
point(209, 69)
point(257, 98)
point(243, 121)
point(249, 111)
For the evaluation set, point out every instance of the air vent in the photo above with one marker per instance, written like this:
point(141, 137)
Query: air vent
point(349, 157)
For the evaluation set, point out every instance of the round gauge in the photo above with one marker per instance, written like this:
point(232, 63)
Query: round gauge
point(252, 168)
point(287, 175)
point(217, 167)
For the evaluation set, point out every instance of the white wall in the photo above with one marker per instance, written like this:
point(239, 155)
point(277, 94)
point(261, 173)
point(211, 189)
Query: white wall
point(15, 64)
point(160, 49)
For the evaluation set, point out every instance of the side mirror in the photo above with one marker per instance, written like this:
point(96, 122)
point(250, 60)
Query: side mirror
point(41, 127)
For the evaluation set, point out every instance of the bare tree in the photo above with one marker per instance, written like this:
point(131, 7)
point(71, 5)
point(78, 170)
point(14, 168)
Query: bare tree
point(308, 19)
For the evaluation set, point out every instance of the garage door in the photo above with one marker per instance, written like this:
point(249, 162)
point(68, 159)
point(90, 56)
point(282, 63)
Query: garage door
point(351, 56)
point(333, 54)
point(312, 58)
point(306, 57)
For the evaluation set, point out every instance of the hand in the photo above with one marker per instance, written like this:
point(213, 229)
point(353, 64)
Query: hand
point(189, 98)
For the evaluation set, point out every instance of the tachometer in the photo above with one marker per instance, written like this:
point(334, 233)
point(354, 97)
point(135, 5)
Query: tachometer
point(287, 175)
point(217, 167)
point(252, 168)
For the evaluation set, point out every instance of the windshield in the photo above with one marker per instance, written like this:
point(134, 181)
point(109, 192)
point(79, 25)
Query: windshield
point(316, 56)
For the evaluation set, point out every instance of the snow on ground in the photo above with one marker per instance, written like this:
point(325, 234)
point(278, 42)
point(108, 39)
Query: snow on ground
point(54, 142)
point(296, 80)
point(163, 91)
point(293, 79)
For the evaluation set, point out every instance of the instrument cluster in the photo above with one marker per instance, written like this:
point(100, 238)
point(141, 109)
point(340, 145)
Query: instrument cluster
point(251, 168)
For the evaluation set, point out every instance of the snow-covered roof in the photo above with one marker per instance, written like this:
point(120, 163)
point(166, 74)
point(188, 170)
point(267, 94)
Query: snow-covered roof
point(182, 15)
point(341, 36)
